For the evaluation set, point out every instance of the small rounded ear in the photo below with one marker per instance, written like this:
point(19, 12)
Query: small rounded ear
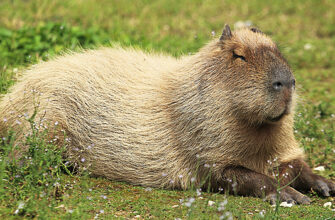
point(226, 33)
point(256, 30)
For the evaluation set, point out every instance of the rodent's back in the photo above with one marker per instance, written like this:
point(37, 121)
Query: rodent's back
point(109, 98)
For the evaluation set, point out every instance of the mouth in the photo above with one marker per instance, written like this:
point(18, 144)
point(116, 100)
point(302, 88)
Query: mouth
point(276, 119)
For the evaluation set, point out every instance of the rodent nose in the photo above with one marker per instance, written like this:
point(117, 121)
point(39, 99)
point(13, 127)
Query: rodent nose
point(278, 85)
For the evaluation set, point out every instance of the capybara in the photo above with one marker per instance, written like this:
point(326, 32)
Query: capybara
point(221, 118)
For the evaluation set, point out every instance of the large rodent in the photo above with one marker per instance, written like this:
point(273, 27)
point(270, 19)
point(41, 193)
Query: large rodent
point(154, 120)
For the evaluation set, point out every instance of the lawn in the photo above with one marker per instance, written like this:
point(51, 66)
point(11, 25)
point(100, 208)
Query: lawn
point(35, 30)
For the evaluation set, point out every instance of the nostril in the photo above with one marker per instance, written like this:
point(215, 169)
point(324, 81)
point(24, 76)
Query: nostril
point(277, 85)
point(293, 83)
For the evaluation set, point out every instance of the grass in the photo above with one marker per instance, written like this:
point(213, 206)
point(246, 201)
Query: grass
point(37, 30)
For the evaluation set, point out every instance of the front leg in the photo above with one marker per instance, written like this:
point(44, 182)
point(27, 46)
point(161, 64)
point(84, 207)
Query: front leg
point(243, 181)
point(304, 179)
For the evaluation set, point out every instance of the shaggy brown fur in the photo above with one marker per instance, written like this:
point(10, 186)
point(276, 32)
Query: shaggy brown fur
point(153, 120)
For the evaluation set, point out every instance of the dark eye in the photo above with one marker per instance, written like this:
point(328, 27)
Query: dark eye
point(236, 56)
point(293, 83)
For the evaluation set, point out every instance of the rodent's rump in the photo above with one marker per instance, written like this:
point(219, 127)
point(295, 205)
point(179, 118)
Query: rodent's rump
point(154, 120)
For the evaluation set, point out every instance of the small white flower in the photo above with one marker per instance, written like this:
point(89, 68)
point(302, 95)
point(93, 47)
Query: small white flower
point(285, 204)
point(83, 160)
point(70, 211)
point(327, 204)
point(18, 122)
point(228, 216)
point(224, 202)
point(192, 179)
point(320, 168)
point(21, 205)
point(5, 120)
point(56, 123)
point(206, 165)
point(211, 203)
point(261, 213)
point(101, 211)
point(188, 204)
point(213, 33)
point(148, 189)
point(290, 166)
point(198, 192)
point(164, 174)
point(308, 46)
point(103, 196)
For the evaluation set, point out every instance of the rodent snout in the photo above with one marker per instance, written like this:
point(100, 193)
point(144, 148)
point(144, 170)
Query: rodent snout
point(278, 85)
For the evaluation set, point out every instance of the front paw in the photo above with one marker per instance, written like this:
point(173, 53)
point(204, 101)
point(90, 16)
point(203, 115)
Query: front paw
point(288, 195)
point(323, 186)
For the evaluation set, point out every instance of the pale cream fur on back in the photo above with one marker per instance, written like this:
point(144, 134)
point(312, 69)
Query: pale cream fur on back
point(143, 118)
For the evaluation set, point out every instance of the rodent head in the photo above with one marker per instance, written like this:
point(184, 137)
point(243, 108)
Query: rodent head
point(257, 80)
